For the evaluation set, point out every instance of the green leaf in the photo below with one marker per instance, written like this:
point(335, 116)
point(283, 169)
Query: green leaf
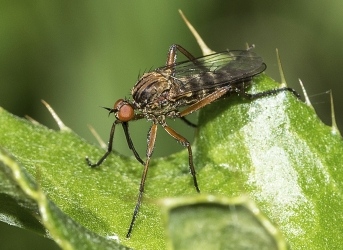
point(209, 222)
point(24, 204)
point(274, 150)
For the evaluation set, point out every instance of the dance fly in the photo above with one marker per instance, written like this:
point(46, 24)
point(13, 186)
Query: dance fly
point(178, 89)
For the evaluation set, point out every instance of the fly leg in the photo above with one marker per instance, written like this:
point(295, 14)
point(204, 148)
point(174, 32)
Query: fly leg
point(172, 54)
point(191, 124)
point(171, 59)
point(225, 90)
point(150, 149)
point(185, 143)
point(130, 143)
point(110, 144)
point(109, 148)
point(207, 100)
point(265, 93)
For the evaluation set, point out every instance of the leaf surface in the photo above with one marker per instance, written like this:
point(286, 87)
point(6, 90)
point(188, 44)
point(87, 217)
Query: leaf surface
point(273, 149)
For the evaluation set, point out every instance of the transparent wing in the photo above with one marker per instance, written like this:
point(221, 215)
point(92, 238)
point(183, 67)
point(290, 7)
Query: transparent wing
point(214, 70)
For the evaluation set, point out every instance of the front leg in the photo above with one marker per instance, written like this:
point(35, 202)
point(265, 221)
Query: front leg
point(130, 143)
point(109, 148)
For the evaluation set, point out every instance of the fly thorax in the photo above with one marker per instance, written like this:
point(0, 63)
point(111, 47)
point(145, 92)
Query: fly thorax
point(150, 117)
point(151, 90)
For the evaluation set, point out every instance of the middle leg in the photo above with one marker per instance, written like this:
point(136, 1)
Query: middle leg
point(150, 149)
point(185, 143)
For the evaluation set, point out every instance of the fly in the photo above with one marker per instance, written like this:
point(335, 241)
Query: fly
point(188, 85)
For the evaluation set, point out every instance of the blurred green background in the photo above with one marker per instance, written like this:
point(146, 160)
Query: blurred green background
point(79, 55)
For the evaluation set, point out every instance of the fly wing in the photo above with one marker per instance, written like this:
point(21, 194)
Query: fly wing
point(215, 70)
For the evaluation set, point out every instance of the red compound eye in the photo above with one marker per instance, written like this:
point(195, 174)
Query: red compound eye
point(125, 111)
